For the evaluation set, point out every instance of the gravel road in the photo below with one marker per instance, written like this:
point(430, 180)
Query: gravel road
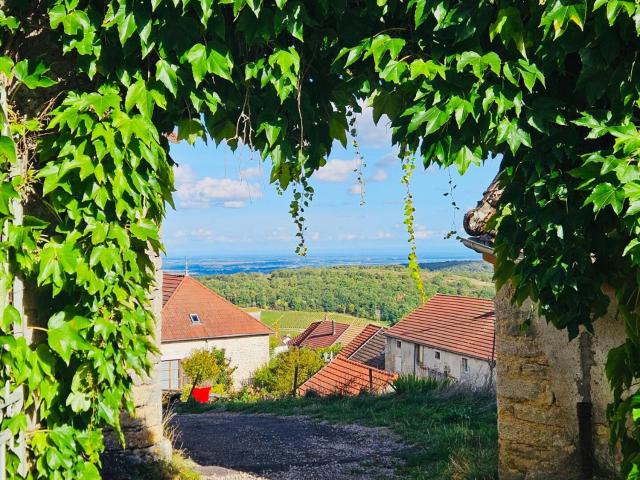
point(232, 446)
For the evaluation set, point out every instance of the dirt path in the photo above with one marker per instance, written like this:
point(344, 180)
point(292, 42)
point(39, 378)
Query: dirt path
point(234, 446)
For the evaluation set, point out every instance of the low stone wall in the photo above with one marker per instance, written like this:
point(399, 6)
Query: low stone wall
point(541, 378)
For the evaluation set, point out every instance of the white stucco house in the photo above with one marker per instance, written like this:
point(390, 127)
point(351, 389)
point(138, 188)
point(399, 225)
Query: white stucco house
point(194, 317)
point(448, 336)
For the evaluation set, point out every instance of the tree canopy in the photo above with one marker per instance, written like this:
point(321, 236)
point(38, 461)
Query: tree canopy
point(90, 89)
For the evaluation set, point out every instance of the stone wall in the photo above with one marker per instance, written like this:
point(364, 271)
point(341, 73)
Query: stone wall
point(541, 378)
point(144, 431)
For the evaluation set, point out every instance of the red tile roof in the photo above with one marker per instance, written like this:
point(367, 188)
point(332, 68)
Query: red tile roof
point(169, 284)
point(346, 377)
point(457, 324)
point(183, 295)
point(365, 335)
point(320, 335)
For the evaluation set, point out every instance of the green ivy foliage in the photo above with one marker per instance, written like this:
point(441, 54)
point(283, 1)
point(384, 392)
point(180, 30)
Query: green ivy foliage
point(551, 86)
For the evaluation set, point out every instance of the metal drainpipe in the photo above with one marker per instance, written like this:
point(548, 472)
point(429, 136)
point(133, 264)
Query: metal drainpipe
point(585, 439)
point(584, 408)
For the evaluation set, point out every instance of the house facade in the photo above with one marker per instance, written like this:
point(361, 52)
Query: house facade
point(447, 337)
point(195, 317)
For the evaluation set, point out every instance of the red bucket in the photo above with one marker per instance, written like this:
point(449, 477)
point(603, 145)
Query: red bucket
point(201, 395)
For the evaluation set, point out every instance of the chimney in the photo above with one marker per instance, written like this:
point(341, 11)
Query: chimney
point(333, 328)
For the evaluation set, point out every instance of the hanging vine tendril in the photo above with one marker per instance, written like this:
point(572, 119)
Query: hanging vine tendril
point(454, 206)
point(408, 166)
point(360, 163)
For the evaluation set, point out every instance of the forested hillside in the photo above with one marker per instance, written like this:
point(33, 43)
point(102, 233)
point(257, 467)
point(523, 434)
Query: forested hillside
point(385, 293)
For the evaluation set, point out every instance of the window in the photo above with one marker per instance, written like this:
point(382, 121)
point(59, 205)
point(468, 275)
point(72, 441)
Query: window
point(398, 344)
point(465, 365)
point(170, 375)
point(194, 318)
point(437, 355)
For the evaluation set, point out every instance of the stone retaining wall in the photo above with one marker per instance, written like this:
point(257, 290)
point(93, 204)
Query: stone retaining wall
point(541, 377)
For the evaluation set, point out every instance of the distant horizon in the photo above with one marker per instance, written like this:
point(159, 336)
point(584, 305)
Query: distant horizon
point(267, 263)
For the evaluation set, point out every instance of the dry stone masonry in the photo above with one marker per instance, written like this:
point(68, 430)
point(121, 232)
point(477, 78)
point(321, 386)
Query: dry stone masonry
point(552, 396)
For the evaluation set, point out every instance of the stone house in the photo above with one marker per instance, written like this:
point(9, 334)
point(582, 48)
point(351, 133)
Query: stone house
point(358, 368)
point(552, 393)
point(195, 317)
point(448, 336)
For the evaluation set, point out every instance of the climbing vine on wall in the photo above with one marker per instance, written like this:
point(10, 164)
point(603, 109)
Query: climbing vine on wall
point(90, 89)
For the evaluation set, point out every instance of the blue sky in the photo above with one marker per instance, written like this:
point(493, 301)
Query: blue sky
point(226, 206)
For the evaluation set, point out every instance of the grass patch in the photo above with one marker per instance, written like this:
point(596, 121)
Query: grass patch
point(292, 322)
point(178, 467)
point(453, 432)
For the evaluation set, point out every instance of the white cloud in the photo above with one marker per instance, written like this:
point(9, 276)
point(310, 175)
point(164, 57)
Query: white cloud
point(382, 234)
point(347, 236)
point(251, 172)
point(314, 236)
point(281, 234)
point(336, 170)
point(204, 234)
point(233, 204)
point(356, 189)
point(199, 193)
point(379, 176)
point(421, 232)
point(368, 133)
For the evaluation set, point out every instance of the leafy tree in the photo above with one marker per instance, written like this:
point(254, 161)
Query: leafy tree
point(277, 377)
point(386, 293)
point(89, 89)
point(208, 366)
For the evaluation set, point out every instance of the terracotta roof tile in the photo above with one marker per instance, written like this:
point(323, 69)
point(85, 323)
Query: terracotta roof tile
point(350, 348)
point(320, 335)
point(183, 295)
point(372, 351)
point(350, 334)
point(345, 377)
point(169, 284)
point(457, 324)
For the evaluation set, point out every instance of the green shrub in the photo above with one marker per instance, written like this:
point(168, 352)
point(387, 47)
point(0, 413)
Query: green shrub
point(276, 378)
point(415, 384)
point(208, 368)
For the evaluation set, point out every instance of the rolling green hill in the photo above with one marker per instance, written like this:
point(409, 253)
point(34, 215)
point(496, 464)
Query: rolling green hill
point(384, 293)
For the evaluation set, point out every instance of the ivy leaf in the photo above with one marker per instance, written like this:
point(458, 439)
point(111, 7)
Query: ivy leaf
point(166, 73)
point(190, 130)
point(79, 402)
point(144, 229)
point(126, 26)
point(8, 149)
point(35, 77)
point(10, 318)
point(137, 95)
point(606, 194)
point(197, 57)
point(219, 64)
point(63, 336)
point(338, 129)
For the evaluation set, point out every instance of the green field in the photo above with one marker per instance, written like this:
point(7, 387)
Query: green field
point(293, 322)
